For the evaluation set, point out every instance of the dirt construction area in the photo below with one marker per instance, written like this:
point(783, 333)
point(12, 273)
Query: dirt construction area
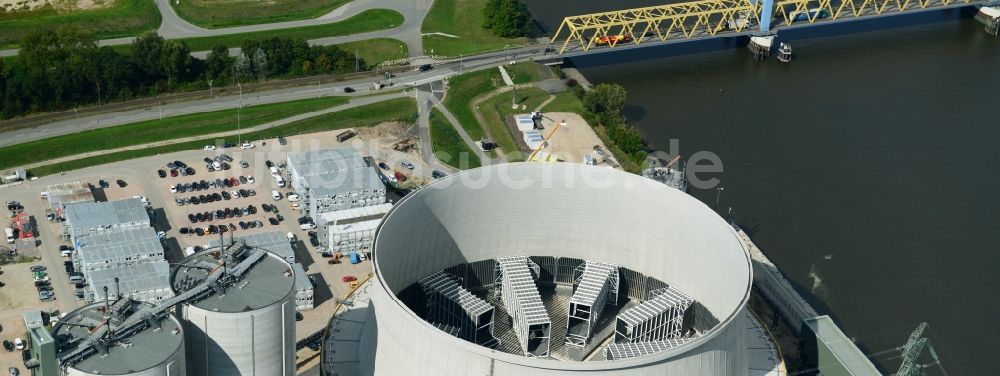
point(574, 138)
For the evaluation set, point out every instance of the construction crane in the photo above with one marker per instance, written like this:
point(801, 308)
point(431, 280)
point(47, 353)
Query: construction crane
point(545, 141)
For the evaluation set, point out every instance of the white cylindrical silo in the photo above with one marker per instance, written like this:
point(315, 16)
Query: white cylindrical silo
point(246, 329)
point(154, 351)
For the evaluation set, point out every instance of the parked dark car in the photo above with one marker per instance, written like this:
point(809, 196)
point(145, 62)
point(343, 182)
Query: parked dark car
point(348, 89)
point(8, 345)
point(199, 217)
point(161, 173)
point(190, 171)
point(281, 141)
point(180, 164)
point(438, 174)
point(244, 164)
point(104, 184)
point(226, 195)
point(314, 242)
point(184, 230)
point(326, 254)
point(383, 166)
point(268, 163)
point(243, 225)
point(200, 231)
point(426, 67)
point(279, 217)
point(273, 221)
point(195, 200)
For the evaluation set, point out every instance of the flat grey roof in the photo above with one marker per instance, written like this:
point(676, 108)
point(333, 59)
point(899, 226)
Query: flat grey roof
point(148, 276)
point(325, 161)
point(343, 182)
point(268, 281)
point(274, 241)
point(301, 279)
point(86, 215)
point(148, 348)
point(135, 244)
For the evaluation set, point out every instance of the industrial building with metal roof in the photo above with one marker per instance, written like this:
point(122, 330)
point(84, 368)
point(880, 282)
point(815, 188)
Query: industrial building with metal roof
point(87, 217)
point(275, 242)
point(115, 249)
point(148, 281)
point(351, 229)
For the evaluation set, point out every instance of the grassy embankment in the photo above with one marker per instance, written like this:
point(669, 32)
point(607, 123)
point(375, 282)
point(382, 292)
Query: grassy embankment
point(149, 131)
point(464, 89)
point(217, 14)
point(448, 144)
point(126, 18)
point(464, 19)
point(400, 109)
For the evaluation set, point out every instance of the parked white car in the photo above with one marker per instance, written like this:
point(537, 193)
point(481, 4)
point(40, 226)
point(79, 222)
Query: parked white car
point(19, 343)
point(291, 237)
point(276, 195)
point(246, 145)
point(209, 147)
point(292, 197)
point(250, 179)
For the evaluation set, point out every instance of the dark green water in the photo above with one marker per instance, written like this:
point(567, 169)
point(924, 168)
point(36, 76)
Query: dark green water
point(867, 169)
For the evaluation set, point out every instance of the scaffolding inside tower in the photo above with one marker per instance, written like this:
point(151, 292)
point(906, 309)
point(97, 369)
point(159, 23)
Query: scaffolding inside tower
point(456, 310)
point(595, 286)
point(515, 282)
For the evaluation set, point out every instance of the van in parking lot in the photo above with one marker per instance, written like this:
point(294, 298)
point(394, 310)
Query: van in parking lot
point(279, 181)
point(76, 279)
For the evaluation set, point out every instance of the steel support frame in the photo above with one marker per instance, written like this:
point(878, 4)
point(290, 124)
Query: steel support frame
point(587, 311)
point(450, 305)
point(516, 283)
point(711, 16)
point(659, 318)
point(837, 9)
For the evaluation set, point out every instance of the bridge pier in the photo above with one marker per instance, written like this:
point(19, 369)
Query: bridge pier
point(990, 17)
point(760, 44)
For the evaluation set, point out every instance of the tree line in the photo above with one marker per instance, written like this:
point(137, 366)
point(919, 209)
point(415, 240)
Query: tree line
point(64, 68)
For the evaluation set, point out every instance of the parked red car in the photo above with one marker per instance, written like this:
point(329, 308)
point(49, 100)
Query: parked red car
point(349, 278)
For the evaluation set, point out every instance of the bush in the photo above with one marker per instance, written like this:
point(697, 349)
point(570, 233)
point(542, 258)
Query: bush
point(507, 18)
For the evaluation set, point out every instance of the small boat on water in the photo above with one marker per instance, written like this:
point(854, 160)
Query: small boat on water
point(785, 53)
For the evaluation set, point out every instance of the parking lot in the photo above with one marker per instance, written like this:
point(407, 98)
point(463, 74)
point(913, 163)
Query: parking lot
point(141, 178)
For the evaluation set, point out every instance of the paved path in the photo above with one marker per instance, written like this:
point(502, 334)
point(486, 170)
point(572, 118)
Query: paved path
point(486, 159)
point(413, 11)
point(424, 103)
point(355, 102)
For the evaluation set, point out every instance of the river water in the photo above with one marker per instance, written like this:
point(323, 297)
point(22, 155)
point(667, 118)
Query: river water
point(866, 169)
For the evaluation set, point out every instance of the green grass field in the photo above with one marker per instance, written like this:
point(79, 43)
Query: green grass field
point(224, 13)
point(464, 88)
point(375, 51)
point(157, 130)
point(369, 20)
point(373, 114)
point(448, 144)
point(496, 110)
point(127, 18)
point(462, 18)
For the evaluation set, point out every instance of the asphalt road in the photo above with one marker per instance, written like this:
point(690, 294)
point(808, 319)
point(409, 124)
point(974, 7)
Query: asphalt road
point(405, 80)
point(413, 11)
